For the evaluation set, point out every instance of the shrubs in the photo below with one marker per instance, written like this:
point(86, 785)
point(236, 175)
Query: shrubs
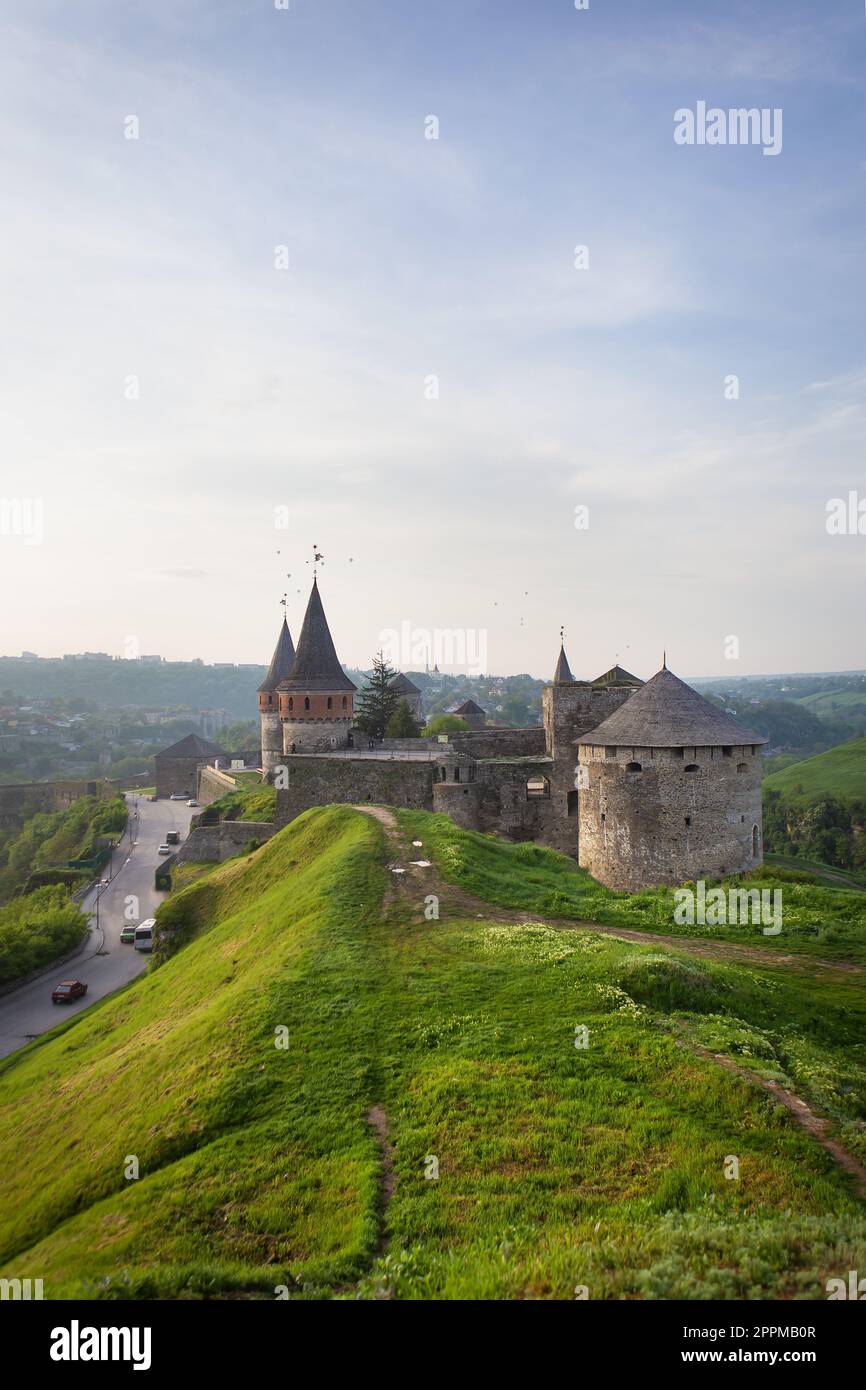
point(36, 929)
point(825, 828)
point(666, 983)
point(41, 878)
point(51, 840)
point(257, 803)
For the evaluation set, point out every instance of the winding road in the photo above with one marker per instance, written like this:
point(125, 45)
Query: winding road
point(102, 962)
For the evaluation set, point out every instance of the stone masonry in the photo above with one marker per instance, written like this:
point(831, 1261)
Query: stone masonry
point(642, 783)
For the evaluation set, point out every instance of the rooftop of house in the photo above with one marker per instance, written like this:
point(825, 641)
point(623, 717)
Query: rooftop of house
point(617, 675)
point(402, 685)
point(193, 746)
point(467, 707)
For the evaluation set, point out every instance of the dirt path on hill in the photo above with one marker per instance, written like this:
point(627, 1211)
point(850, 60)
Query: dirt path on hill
point(378, 1122)
point(813, 1124)
point(463, 904)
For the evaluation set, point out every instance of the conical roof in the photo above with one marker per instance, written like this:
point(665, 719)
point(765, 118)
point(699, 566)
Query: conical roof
point(562, 675)
point(617, 676)
point(667, 713)
point(281, 661)
point(316, 665)
point(402, 685)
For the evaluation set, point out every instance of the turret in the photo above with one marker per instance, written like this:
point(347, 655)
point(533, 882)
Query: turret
point(670, 790)
point(315, 698)
point(269, 713)
point(562, 675)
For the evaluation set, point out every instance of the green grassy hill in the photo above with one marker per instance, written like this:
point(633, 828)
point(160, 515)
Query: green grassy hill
point(840, 772)
point(828, 703)
point(412, 1043)
point(252, 801)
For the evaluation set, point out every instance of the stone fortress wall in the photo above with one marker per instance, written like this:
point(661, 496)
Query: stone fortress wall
point(634, 811)
point(321, 781)
point(216, 843)
point(20, 800)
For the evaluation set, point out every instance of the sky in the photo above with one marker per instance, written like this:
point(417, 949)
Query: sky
point(283, 316)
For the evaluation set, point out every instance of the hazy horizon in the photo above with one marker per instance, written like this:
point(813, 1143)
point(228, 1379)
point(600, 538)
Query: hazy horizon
point(733, 674)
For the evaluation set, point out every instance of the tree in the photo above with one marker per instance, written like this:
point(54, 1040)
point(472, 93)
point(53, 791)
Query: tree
point(243, 733)
point(445, 724)
point(377, 701)
point(403, 723)
point(514, 711)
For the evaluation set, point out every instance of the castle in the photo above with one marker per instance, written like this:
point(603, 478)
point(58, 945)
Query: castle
point(642, 783)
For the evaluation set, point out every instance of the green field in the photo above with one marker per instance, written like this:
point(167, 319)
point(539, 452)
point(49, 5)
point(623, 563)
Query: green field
point(840, 772)
point(818, 920)
point(828, 702)
point(413, 1043)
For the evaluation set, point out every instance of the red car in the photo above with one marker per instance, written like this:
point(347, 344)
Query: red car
point(67, 990)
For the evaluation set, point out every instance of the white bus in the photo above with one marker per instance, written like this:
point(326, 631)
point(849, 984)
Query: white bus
point(144, 935)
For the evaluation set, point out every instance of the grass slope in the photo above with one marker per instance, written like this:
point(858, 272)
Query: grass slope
point(840, 772)
point(827, 702)
point(817, 920)
point(252, 801)
point(558, 1166)
point(814, 869)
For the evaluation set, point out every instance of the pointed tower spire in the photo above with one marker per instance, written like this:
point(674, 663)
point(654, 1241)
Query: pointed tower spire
point(316, 665)
point(281, 661)
point(562, 675)
point(269, 703)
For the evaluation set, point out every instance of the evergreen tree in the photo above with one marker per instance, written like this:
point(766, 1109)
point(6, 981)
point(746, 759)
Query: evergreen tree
point(377, 701)
point(403, 723)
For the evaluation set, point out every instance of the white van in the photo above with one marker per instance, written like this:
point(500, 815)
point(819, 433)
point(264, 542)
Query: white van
point(144, 935)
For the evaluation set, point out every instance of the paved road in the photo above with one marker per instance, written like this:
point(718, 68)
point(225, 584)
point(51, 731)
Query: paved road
point(103, 963)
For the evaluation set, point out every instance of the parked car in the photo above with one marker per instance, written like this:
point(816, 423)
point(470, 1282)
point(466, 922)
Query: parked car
point(172, 837)
point(144, 935)
point(192, 801)
point(151, 798)
point(178, 796)
point(164, 849)
point(67, 990)
point(127, 934)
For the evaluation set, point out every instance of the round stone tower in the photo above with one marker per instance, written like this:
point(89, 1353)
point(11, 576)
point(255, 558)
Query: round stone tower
point(315, 698)
point(269, 712)
point(669, 790)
